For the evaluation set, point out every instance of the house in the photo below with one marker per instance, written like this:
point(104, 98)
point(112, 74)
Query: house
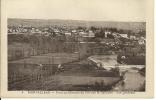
point(91, 34)
point(74, 31)
point(83, 34)
point(33, 30)
point(67, 34)
point(116, 35)
point(106, 33)
point(132, 37)
point(47, 34)
point(124, 35)
point(10, 30)
point(24, 30)
point(88, 34)
point(56, 31)
point(141, 41)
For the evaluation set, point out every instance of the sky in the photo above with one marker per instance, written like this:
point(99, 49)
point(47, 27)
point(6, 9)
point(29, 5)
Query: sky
point(90, 10)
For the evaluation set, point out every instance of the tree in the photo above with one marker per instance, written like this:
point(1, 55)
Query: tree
point(110, 36)
point(93, 28)
point(100, 34)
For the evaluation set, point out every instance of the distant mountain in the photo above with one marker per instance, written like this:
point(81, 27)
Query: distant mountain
point(46, 22)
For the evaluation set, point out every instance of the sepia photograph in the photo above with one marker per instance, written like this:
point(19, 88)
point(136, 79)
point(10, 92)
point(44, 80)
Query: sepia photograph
point(68, 55)
point(76, 45)
point(74, 54)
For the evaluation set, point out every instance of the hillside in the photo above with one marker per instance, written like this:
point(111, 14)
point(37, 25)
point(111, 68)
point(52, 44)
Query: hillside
point(42, 22)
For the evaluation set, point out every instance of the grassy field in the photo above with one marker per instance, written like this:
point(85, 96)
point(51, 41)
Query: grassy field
point(50, 58)
point(27, 74)
point(72, 83)
point(77, 83)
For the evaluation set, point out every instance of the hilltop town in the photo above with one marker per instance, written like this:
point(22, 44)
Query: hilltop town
point(110, 39)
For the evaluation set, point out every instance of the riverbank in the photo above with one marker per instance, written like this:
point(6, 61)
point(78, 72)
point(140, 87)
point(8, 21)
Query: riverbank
point(132, 81)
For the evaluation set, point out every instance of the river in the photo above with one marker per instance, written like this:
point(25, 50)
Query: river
point(132, 81)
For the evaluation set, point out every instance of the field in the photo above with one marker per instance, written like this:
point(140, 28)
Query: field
point(50, 58)
point(52, 79)
point(72, 83)
point(42, 73)
point(28, 74)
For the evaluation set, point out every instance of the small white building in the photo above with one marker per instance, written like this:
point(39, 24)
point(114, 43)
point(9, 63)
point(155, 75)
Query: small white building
point(116, 35)
point(91, 34)
point(132, 37)
point(124, 35)
point(56, 31)
point(83, 34)
point(141, 41)
point(67, 34)
point(33, 30)
point(106, 33)
point(73, 31)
